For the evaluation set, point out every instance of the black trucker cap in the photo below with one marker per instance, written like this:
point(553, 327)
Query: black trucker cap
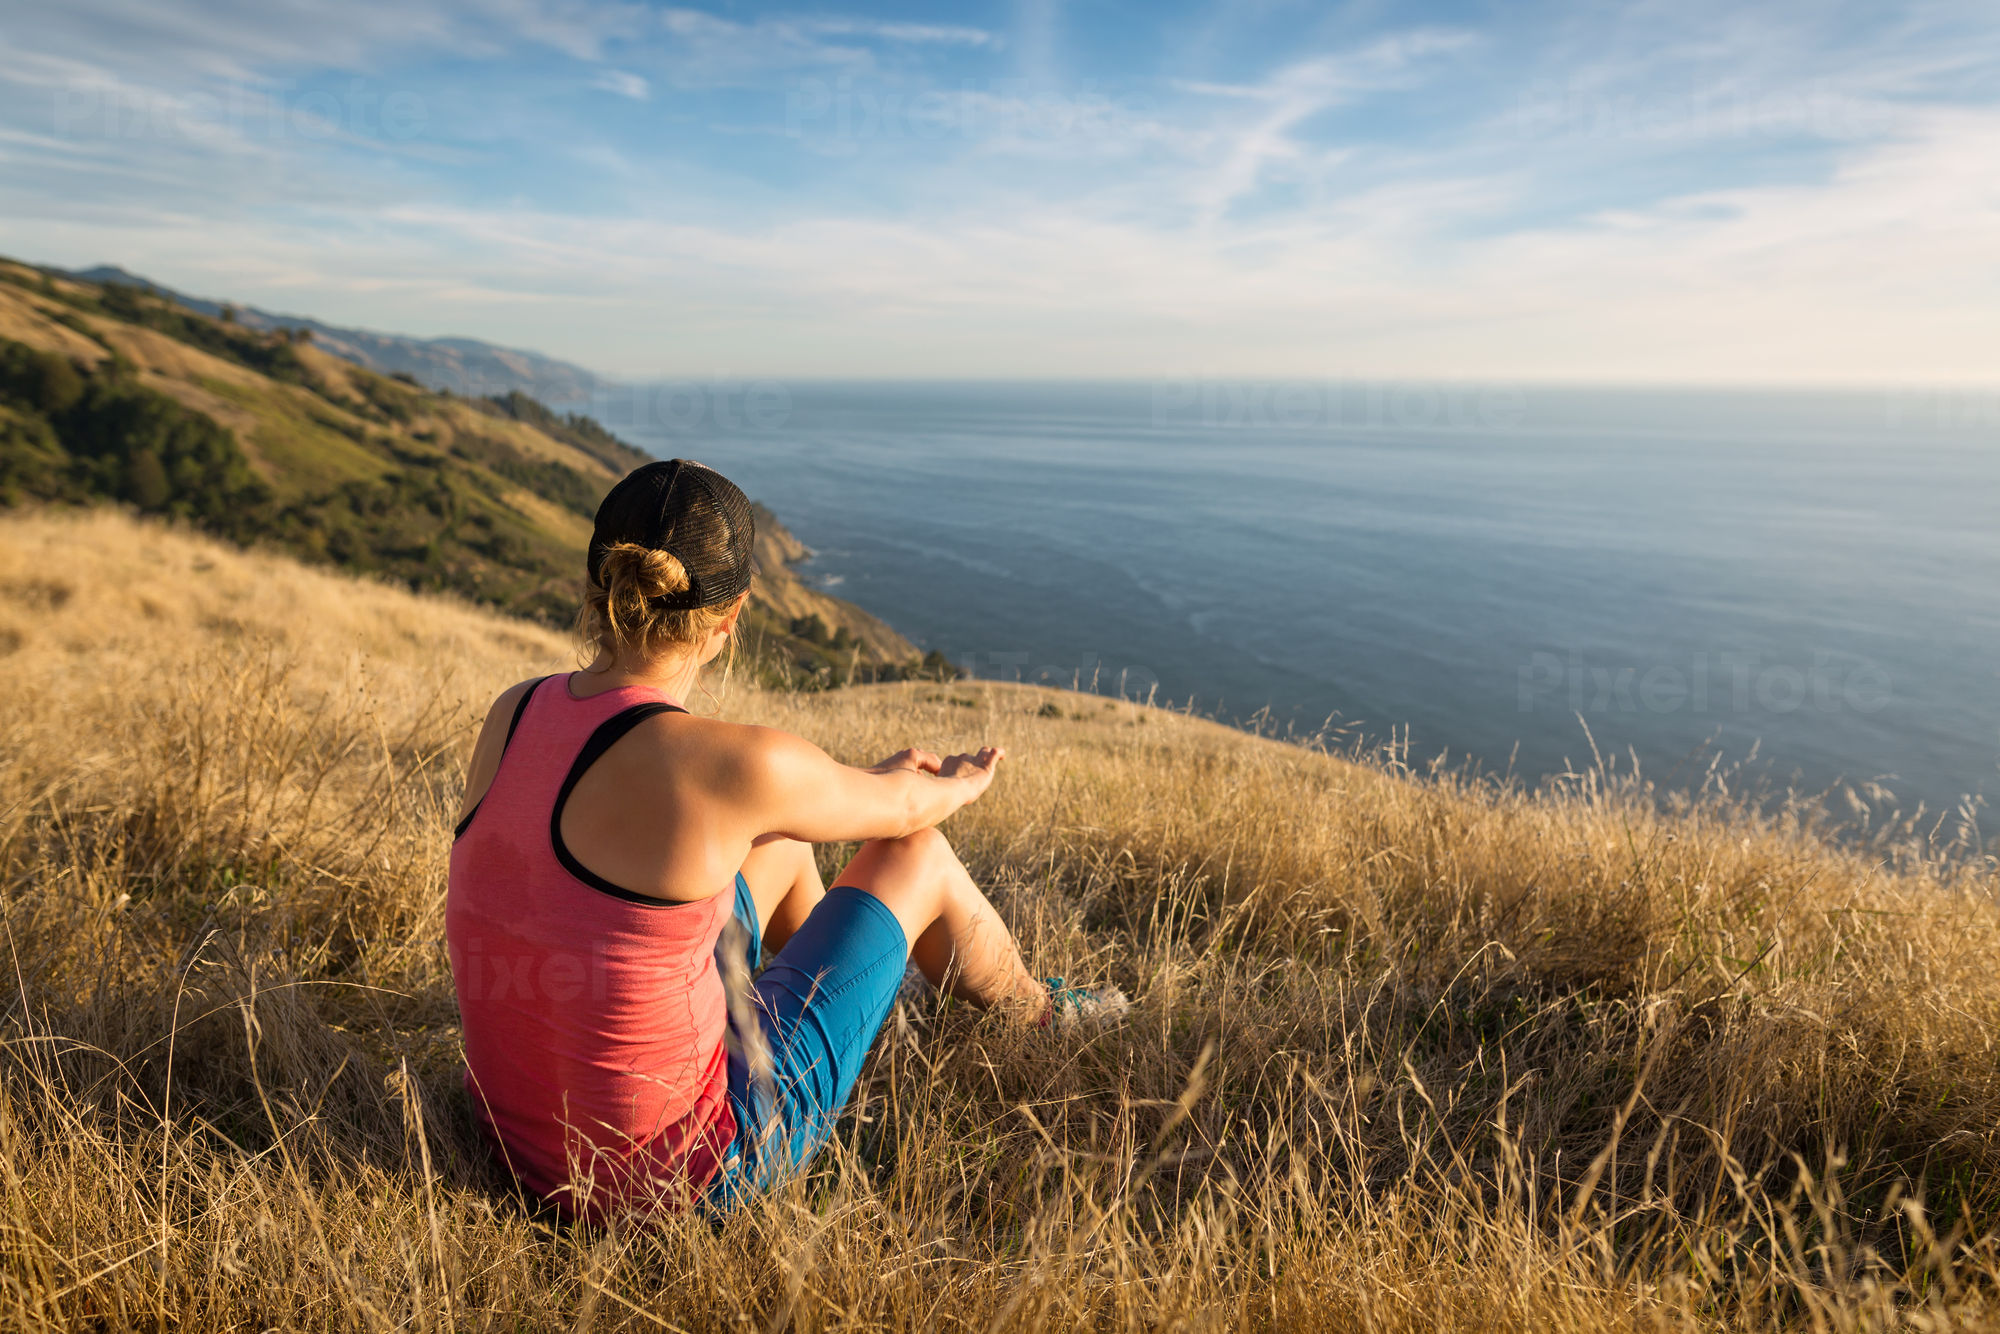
point(690, 510)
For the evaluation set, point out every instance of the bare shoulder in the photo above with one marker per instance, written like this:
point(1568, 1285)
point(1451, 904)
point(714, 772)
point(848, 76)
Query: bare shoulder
point(501, 713)
point(726, 754)
point(744, 742)
point(511, 697)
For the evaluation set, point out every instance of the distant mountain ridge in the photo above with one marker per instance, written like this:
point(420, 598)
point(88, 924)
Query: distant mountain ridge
point(467, 367)
point(114, 391)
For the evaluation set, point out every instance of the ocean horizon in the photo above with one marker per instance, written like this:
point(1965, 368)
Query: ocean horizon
point(1799, 587)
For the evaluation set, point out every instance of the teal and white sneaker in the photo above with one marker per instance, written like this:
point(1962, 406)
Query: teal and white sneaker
point(1075, 1008)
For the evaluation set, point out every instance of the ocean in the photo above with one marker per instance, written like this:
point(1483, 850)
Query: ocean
point(1800, 587)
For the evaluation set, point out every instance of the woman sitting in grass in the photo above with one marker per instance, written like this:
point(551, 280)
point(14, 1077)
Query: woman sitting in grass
point(609, 841)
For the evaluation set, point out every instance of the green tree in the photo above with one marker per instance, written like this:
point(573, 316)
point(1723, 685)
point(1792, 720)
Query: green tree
point(33, 463)
point(43, 382)
point(146, 481)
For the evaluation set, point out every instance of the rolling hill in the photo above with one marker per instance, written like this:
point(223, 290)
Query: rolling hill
point(112, 392)
point(466, 366)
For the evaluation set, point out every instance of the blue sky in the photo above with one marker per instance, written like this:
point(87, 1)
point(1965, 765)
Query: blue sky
point(1694, 192)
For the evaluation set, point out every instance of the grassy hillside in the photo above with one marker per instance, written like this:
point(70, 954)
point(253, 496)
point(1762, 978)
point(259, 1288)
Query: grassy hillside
point(110, 392)
point(1408, 1055)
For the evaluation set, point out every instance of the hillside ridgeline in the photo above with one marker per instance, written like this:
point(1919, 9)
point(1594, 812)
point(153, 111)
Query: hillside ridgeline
point(109, 392)
point(1409, 1053)
point(468, 367)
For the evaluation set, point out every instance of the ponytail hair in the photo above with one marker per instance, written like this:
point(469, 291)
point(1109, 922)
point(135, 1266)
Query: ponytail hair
point(622, 606)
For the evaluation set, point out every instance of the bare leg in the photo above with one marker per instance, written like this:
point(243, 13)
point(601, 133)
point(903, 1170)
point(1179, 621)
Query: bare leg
point(786, 885)
point(957, 939)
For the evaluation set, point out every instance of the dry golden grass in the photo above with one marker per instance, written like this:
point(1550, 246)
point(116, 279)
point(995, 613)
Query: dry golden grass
point(1407, 1054)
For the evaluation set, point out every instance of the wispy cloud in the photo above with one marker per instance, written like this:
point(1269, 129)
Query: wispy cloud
point(623, 83)
point(945, 34)
point(708, 49)
point(1758, 192)
point(1302, 90)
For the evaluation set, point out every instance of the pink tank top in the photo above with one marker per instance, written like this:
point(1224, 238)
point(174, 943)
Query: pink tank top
point(593, 1016)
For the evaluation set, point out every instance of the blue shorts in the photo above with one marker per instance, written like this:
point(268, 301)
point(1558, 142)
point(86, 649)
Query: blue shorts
point(819, 1004)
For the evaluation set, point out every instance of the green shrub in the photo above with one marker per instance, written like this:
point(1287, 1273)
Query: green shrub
point(75, 434)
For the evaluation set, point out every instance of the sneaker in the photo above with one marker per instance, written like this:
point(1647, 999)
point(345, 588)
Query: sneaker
point(1084, 1007)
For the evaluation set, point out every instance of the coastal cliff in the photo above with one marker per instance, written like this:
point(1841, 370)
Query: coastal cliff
point(264, 436)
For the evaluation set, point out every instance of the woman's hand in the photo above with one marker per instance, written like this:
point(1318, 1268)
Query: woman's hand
point(797, 790)
point(918, 761)
point(976, 770)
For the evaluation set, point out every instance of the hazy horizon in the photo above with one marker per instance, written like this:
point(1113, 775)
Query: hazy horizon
point(1989, 409)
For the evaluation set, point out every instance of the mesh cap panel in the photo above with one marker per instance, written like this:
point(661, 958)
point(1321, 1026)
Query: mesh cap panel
point(690, 510)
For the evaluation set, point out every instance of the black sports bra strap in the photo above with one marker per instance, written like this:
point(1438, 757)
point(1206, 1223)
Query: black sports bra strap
point(608, 734)
point(520, 707)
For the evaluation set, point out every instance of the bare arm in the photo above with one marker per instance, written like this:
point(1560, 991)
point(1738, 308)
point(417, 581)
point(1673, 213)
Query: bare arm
point(799, 791)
